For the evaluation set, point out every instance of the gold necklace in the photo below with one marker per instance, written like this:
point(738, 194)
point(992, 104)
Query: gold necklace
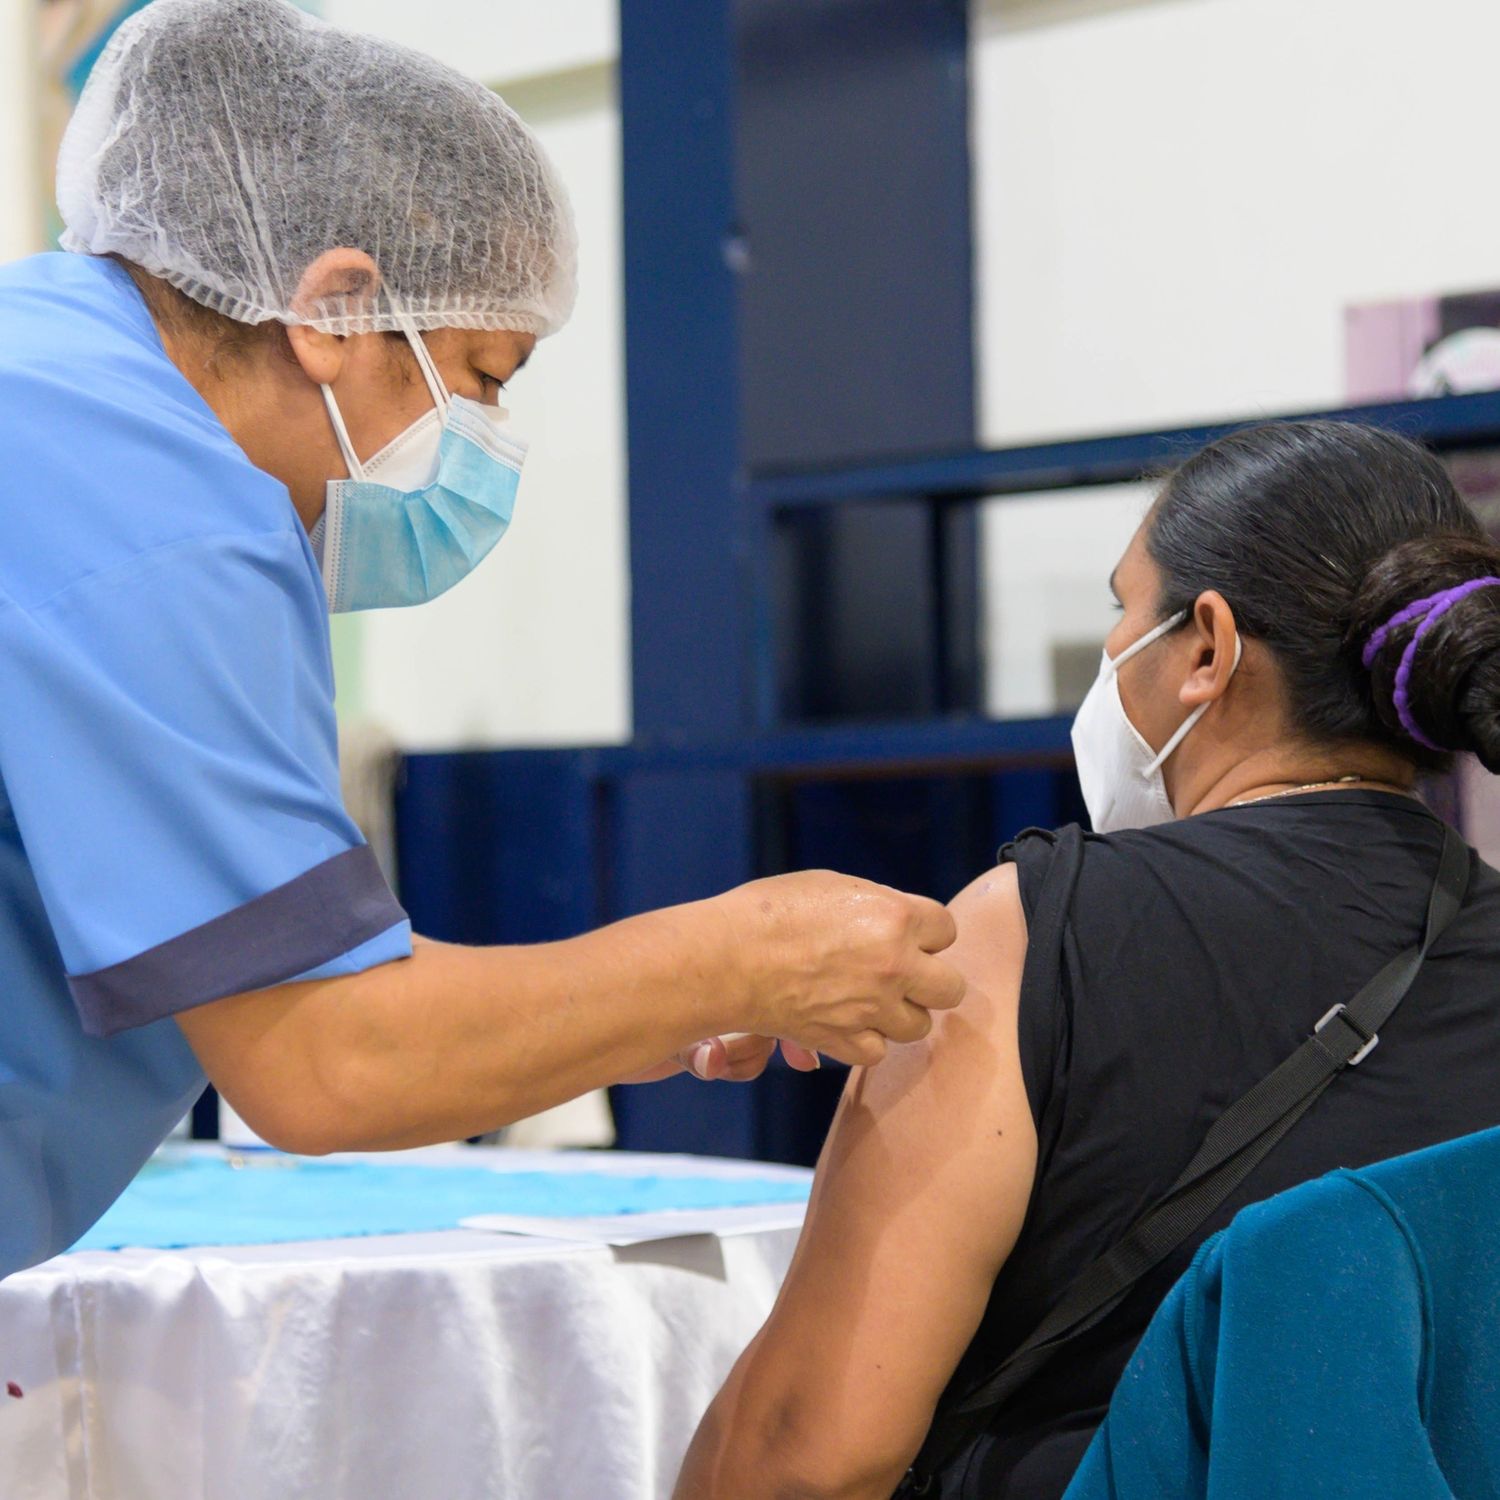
point(1294, 791)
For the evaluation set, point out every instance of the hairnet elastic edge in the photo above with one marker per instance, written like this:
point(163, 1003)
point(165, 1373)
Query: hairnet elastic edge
point(425, 318)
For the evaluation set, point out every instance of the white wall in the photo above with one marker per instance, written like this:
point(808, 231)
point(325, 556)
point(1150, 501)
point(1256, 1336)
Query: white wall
point(20, 150)
point(1175, 203)
point(499, 41)
point(1048, 559)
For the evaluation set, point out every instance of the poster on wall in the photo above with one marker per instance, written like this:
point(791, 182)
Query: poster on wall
point(1423, 346)
point(1417, 347)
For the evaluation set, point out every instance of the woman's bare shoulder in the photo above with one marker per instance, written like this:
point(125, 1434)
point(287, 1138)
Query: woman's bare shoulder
point(991, 948)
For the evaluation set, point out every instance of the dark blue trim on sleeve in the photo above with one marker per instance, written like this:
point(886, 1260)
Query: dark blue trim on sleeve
point(322, 914)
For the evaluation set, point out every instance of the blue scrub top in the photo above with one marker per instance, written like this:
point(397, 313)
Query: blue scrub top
point(171, 829)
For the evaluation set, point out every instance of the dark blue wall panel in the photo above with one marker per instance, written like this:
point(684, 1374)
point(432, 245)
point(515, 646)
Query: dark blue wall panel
point(857, 339)
point(854, 202)
point(876, 612)
point(500, 847)
point(798, 288)
point(677, 836)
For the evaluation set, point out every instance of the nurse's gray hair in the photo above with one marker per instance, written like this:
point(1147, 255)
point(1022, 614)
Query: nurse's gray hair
point(224, 145)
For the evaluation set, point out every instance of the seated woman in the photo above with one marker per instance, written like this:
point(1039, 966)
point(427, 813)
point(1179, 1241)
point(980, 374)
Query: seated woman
point(1269, 697)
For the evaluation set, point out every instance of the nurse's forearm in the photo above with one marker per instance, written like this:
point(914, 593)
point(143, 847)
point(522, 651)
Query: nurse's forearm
point(457, 1041)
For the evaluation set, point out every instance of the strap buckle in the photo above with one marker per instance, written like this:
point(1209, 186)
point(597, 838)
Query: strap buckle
point(1371, 1040)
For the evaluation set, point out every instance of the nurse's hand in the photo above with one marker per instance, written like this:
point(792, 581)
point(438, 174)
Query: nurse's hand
point(737, 1058)
point(839, 965)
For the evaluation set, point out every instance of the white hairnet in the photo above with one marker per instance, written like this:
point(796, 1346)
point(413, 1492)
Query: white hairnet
point(223, 145)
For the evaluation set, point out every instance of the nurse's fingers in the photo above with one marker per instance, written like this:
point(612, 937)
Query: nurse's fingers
point(905, 1023)
point(864, 1049)
point(746, 1057)
point(707, 1060)
point(737, 1058)
point(742, 1057)
point(932, 924)
point(934, 984)
point(800, 1058)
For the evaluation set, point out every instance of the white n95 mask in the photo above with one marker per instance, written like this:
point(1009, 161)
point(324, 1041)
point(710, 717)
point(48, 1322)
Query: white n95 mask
point(444, 495)
point(1120, 773)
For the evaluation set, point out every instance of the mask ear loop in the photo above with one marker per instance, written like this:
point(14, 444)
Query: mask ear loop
point(427, 365)
point(430, 374)
point(341, 432)
point(1151, 637)
point(1187, 724)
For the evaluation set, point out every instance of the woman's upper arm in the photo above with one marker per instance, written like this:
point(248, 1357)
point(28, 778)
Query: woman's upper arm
point(921, 1192)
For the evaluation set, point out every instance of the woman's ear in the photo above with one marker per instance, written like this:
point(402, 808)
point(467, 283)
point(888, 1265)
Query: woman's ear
point(1213, 660)
point(343, 279)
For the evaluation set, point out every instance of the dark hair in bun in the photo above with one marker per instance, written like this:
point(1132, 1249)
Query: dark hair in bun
point(1320, 533)
point(1453, 694)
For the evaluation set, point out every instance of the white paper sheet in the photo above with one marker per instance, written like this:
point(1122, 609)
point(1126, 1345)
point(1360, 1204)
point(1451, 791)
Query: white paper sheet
point(640, 1229)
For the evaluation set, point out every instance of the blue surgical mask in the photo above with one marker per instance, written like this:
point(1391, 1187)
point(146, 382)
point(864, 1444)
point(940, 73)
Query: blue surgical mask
point(424, 511)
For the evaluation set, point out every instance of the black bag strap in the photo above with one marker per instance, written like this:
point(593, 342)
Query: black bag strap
point(1238, 1141)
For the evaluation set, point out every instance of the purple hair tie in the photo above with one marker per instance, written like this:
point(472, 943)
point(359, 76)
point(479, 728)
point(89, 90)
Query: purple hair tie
point(1433, 608)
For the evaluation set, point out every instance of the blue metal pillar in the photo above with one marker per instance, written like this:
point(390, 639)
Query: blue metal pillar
point(502, 846)
point(677, 837)
point(682, 265)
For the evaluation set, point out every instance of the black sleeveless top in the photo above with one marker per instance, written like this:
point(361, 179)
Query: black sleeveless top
point(1186, 963)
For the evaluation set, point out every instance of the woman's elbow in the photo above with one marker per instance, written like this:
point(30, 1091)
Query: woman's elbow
point(804, 1458)
point(814, 1477)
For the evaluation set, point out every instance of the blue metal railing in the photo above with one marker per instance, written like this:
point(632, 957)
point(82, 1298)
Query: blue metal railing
point(1446, 423)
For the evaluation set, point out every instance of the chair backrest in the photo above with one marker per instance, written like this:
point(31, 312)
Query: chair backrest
point(1342, 1338)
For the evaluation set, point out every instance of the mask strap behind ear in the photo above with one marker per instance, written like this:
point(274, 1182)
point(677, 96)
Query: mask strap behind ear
point(341, 432)
point(427, 365)
point(1136, 647)
point(1187, 724)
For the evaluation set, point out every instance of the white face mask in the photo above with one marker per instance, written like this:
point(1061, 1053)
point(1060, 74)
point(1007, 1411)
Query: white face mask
point(1120, 773)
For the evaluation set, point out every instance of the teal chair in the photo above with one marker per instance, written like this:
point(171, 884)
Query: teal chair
point(1339, 1340)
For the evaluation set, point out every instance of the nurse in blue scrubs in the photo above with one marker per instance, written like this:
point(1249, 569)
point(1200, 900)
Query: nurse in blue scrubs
point(263, 381)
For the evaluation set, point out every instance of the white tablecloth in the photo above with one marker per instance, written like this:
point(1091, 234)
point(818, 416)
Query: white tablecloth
point(447, 1366)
